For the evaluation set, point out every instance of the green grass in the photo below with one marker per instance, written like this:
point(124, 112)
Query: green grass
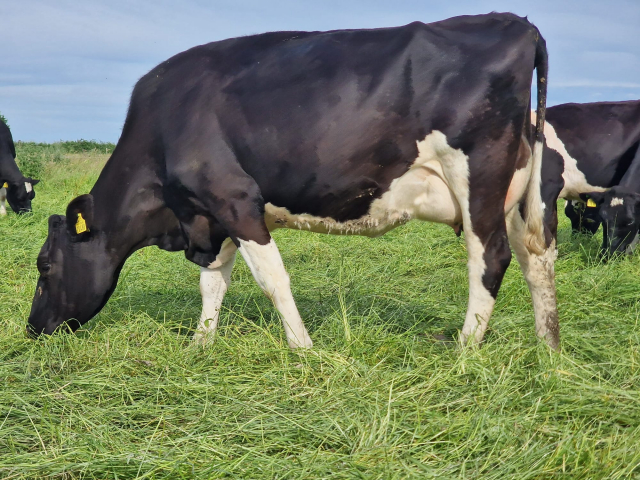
point(130, 396)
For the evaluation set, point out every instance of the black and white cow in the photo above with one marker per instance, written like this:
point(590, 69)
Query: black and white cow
point(584, 218)
point(599, 144)
point(14, 187)
point(344, 132)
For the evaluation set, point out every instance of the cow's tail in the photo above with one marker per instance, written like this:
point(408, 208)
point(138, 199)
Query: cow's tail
point(534, 207)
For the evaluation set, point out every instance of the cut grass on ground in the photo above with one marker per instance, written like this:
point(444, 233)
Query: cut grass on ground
point(129, 395)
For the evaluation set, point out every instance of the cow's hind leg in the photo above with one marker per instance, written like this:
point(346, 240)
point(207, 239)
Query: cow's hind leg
point(489, 257)
point(480, 183)
point(538, 269)
point(539, 273)
point(214, 282)
point(538, 266)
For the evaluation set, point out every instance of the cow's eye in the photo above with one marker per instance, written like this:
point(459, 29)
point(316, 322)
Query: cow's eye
point(45, 267)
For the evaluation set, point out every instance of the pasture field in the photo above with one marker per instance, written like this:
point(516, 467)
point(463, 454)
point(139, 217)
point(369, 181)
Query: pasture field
point(130, 396)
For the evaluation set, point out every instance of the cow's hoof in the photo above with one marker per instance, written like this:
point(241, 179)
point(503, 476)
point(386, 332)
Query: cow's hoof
point(203, 338)
point(305, 343)
point(553, 343)
point(470, 341)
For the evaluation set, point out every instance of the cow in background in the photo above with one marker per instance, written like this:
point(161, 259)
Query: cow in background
point(16, 188)
point(599, 145)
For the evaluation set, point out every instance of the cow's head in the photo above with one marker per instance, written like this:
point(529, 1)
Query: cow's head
point(584, 218)
point(77, 271)
point(618, 209)
point(20, 194)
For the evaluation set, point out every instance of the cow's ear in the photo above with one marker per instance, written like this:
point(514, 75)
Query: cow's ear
point(593, 199)
point(636, 199)
point(33, 181)
point(80, 217)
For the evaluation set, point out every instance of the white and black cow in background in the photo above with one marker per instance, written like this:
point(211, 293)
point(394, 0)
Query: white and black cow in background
point(14, 187)
point(599, 144)
point(345, 132)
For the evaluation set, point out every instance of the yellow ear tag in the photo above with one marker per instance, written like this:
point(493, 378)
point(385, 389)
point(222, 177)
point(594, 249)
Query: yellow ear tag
point(6, 185)
point(591, 203)
point(81, 225)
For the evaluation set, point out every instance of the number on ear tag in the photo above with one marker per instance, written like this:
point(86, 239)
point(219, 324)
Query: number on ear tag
point(81, 225)
point(6, 185)
point(591, 203)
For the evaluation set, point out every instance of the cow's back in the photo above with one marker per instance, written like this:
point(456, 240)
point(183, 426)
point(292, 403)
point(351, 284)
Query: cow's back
point(316, 118)
point(600, 140)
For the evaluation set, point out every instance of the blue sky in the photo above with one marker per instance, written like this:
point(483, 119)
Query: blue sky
point(67, 67)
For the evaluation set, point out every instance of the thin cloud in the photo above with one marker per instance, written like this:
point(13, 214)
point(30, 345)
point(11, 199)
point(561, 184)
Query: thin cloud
point(67, 67)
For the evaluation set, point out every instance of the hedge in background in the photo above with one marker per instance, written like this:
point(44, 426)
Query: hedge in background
point(32, 157)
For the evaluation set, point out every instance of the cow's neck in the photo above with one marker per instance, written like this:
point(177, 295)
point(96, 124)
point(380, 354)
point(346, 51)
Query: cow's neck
point(629, 149)
point(129, 207)
point(9, 171)
point(631, 178)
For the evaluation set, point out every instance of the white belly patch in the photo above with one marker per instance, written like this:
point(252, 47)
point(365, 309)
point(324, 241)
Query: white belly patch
point(421, 193)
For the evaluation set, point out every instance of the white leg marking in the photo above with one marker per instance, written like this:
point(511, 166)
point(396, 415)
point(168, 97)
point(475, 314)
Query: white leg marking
point(539, 273)
point(268, 270)
point(214, 282)
point(3, 197)
point(481, 302)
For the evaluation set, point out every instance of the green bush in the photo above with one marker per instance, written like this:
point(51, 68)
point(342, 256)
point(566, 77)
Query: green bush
point(4, 119)
point(31, 157)
point(83, 146)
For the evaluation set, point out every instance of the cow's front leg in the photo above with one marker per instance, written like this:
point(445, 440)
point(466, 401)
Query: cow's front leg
point(268, 270)
point(3, 197)
point(214, 282)
point(238, 209)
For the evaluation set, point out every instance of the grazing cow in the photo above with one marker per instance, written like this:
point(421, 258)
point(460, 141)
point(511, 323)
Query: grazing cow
point(584, 218)
point(15, 187)
point(345, 132)
point(599, 146)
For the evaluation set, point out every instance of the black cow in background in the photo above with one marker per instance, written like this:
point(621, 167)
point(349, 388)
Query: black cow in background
point(16, 188)
point(584, 216)
point(599, 146)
